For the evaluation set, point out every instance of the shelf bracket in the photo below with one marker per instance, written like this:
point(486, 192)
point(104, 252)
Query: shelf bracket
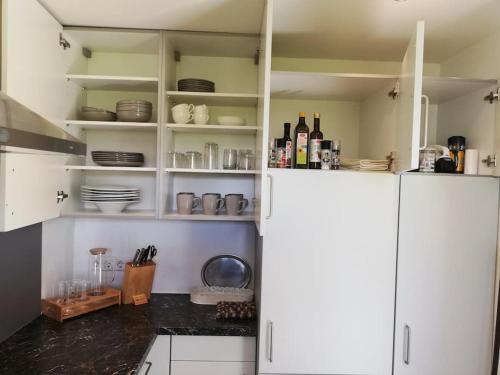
point(256, 57)
point(394, 93)
point(63, 42)
point(177, 56)
point(86, 52)
point(492, 97)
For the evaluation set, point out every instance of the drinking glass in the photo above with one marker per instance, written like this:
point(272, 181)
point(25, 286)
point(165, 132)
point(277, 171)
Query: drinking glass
point(230, 158)
point(246, 160)
point(193, 159)
point(211, 156)
point(176, 160)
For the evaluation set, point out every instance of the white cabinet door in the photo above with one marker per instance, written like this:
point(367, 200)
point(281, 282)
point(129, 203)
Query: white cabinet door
point(32, 59)
point(158, 358)
point(409, 103)
point(261, 142)
point(212, 368)
point(29, 186)
point(328, 274)
point(446, 273)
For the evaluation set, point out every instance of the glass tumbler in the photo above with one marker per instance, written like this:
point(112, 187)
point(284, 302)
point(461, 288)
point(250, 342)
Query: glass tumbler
point(246, 160)
point(211, 156)
point(193, 159)
point(176, 160)
point(230, 158)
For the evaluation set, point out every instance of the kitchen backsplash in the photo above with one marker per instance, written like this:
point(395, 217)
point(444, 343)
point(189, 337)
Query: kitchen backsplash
point(183, 247)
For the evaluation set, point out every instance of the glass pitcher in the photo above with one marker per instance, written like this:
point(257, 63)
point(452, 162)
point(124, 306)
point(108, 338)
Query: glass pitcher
point(98, 278)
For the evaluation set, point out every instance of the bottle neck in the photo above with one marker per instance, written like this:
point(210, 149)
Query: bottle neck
point(287, 132)
point(316, 124)
point(302, 121)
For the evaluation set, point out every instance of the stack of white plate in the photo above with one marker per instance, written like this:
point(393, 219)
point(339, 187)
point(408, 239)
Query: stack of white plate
point(118, 158)
point(365, 164)
point(110, 199)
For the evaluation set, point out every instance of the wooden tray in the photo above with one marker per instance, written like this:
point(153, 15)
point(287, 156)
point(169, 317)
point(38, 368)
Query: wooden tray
point(58, 311)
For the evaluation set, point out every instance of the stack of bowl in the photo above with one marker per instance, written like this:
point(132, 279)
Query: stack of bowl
point(97, 114)
point(134, 110)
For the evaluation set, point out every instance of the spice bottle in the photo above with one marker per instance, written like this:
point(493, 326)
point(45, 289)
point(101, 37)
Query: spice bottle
point(336, 154)
point(281, 154)
point(326, 154)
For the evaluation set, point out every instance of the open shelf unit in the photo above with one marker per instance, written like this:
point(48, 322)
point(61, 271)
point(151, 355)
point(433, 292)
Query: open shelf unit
point(247, 216)
point(210, 171)
point(214, 98)
point(111, 125)
point(107, 169)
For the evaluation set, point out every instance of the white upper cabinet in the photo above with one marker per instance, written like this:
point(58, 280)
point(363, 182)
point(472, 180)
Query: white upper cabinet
point(32, 58)
point(409, 103)
point(328, 274)
point(263, 107)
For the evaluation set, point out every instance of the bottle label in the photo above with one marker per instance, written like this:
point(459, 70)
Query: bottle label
point(281, 157)
point(315, 151)
point(288, 154)
point(302, 148)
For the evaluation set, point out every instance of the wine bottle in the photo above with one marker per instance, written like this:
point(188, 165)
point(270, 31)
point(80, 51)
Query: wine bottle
point(301, 145)
point(288, 145)
point(315, 145)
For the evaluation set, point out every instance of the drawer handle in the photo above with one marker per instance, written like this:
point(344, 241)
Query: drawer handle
point(149, 367)
point(270, 341)
point(406, 345)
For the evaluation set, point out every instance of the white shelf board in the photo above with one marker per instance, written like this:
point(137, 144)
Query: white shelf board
point(112, 125)
point(214, 98)
point(246, 216)
point(442, 89)
point(114, 83)
point(327, 86)
point(209, 171)
point(99, 168)
point(212, 129)
point(127, 214)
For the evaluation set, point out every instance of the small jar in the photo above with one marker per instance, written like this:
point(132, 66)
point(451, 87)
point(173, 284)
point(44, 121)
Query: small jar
point(336, 154)
point(281, 153)
point(326, 154)
point(427, 161)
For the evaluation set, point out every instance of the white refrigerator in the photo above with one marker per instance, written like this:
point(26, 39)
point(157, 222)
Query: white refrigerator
point(367, 273)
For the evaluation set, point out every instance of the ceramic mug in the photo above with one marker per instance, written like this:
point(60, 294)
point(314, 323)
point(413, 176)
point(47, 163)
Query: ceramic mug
point(212, 203)
point(200, 114)
point(186, 202)
point(182, 113)
point(235, 204)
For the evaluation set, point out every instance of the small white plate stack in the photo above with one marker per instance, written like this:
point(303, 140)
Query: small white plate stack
point(110, 199)
point(365, 164)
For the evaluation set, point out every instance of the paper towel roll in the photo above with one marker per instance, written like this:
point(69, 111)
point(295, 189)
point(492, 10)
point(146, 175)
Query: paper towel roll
point(471, 161)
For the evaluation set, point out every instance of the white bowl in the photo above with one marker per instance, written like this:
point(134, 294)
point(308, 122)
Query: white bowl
point(230, 120)
point(112, 207)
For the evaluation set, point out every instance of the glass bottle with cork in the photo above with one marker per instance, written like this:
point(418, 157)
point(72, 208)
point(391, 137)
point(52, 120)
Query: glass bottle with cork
point(315, 144)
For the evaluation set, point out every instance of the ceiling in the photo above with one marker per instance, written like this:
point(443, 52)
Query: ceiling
point(379, 29)
point(335, 29)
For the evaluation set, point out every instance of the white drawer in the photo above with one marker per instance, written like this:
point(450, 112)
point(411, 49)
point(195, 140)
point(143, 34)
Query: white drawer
point(213, 348)
point(212, 368)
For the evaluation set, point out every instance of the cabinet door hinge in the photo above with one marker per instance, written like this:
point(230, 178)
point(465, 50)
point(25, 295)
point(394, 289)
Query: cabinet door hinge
point(394, 93)
point(63, 42)
point(492, 97)
point(490, 161)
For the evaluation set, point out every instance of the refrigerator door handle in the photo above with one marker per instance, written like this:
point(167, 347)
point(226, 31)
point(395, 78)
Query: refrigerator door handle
point(270, 341)
point(406, 345)
point(270, 209)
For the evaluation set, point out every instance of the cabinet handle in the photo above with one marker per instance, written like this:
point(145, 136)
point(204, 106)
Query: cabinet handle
point(270, 341)
point(406, 345)
point(149, 367)
point(270, 212)
point(426, 120)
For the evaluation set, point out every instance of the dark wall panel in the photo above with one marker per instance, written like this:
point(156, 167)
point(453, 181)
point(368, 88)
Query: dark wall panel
point(20, 278)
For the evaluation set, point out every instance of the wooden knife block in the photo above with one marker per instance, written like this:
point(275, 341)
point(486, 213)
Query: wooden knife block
point(137, 280)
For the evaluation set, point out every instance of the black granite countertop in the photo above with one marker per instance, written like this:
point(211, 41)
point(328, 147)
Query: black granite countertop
point(112, 340)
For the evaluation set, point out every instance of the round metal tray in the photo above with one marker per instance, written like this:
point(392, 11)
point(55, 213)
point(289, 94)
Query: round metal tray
point(226, 271)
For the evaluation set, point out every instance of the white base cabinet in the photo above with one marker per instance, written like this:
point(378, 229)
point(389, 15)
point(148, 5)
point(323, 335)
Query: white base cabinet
point(446, 275)
point(195, 355)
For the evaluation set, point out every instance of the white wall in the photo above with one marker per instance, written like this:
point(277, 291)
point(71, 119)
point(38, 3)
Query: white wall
point(339, 120)
point(57, 254)
point(182, 247)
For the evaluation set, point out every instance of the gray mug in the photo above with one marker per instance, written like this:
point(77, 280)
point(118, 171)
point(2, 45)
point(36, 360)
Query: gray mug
point(235, 204)
point(186, 202)
point(211, 203)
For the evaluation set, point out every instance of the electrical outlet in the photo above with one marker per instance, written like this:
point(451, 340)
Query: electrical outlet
point(107, 265)
point(119, 265)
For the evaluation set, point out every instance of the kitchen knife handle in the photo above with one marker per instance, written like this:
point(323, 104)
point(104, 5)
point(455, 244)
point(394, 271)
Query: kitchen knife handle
point(406, 345)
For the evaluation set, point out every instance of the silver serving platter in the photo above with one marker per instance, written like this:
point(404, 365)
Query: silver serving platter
point(226, 271)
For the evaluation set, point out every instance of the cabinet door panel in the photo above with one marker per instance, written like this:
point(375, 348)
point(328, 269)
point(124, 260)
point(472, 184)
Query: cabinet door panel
point(29, 188)
point(212, 368)
point(158, 359)
point(261, 187)
point(32, 59)
point(409, 103)
point(446, 273)
point(328, 274)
